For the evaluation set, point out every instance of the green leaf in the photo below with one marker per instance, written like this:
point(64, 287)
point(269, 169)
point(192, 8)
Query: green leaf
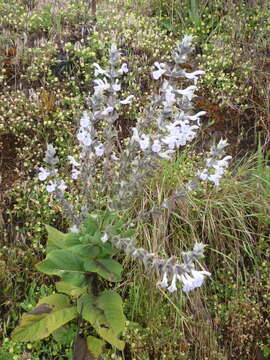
point(111, 303)
point(74, 278)
point(91, 224)
point(64, 335)
point(58, 301)
point(56, 239)
point(86, 306)
point(95, 345)
point(70, 289)
point(107, 268)
point(58, 261)
point(109, 335)
point(42, 322)
point(86, 251)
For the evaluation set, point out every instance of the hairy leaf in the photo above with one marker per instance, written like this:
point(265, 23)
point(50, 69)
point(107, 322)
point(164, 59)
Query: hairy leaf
point(56, 239)
point(59, 261)
point(111, 337)
point(86, 306)
point(111, 303)
point(95, 345)
point(70, 289)
point(58, 301)
point(107, 268)
point(34, 326)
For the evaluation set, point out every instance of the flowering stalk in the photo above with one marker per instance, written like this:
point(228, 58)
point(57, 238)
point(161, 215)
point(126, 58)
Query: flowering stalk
point(106, 171)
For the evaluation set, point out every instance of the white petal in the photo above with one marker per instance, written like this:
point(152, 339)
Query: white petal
point(51, 186)
point(164, 282)
point(127, 100)
point(104, 238)
point(43, 173)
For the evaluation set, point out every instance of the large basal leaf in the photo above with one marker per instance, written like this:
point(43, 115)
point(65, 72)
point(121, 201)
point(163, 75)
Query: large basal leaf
point(86, 306)
point(58, 301)
point(74, 278)
point(59, 261)
point(56, 239)
point(86, 251)
point(95, 345)
point(111, 303)
point(107, 268)
point(110, 337)
point(70, 289)
point(64, 335)
point(42, 322)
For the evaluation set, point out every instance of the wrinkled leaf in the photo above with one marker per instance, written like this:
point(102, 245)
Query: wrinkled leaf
point(70, 289)
point(111, 303)
point(35, 326)
point(74, 278)
point(64, 335)
point(107, 268)
point(86, 306)
point(59, 261)
point(58, 301)
point(110, 337)
point(95, 345)
point(56, 239)
point(86, 251)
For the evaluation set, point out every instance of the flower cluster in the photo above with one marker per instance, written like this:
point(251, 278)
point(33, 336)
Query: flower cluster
point(175, 123)
point(169, 269)
point(215, 164)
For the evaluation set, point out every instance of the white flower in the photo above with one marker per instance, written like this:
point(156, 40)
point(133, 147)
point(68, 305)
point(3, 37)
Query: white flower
point(73, 161)
point(51, 186)
point(170, 140)
point(194, 281)
point(43, 173)
point(104, 238)
point(165, 154)
point(102, 85)
point(74, 229)
point(62, 186)
point(98, 70)
point(158, 73)
point(194, 75)
point(187, 41)
point(164, 282)
point(124, 69)
point(196, 117)
point(99, 150)
point(223, 162)
point(144, 142)
point(107, 111)
point(203, 175)
point(85, 120)
point(215, 178)
point(127, 100)
point(170, 98)
point(173, 287)
point(199, 277)
point(187, 281)
point(116, 86)
point(84, 137)
point(75, 173)
point(156, 147)
point(188, 92)
point(114, 157)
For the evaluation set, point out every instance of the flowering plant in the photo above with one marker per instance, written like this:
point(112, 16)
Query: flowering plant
point(111, 174)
